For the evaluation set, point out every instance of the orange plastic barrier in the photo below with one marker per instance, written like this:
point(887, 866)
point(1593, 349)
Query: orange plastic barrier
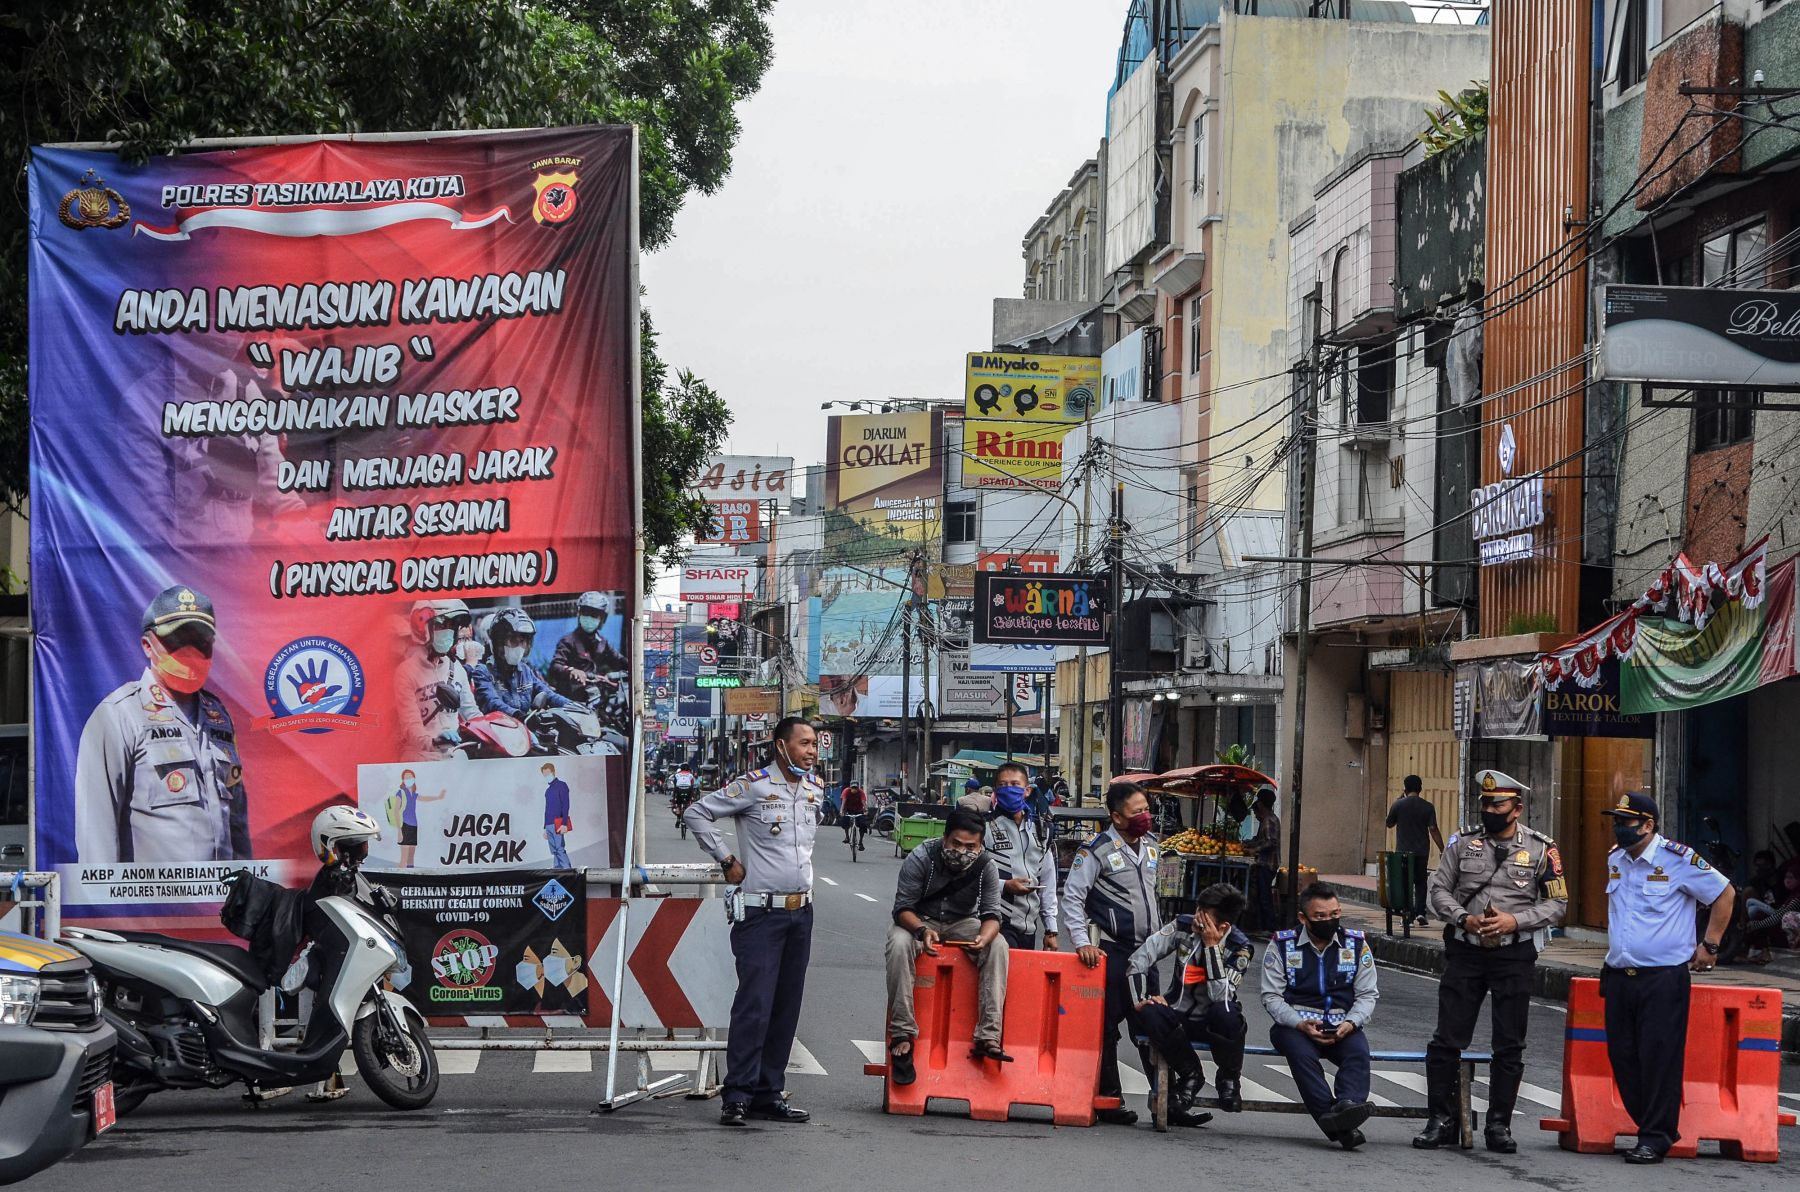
point(1730, 1083)
point(1055, 1008)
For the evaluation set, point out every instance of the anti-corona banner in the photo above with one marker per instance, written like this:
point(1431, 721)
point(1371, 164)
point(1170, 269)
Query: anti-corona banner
point(333, 492)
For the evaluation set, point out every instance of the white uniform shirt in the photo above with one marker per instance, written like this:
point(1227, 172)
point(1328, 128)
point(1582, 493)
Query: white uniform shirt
point(1651, 902)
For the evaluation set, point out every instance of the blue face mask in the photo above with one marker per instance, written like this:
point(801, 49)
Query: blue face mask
point(589, 624)
point(1009, 800)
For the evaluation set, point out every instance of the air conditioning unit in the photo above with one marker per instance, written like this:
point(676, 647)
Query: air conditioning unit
point(1196, 652)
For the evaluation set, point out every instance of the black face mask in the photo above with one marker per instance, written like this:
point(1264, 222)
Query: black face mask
point(1628, 832)
point(1323, 929)
point(1495, 822)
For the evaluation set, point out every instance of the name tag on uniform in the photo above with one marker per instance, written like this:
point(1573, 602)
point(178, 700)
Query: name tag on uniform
point(1293, 960)
point(1346, 958)
point(1657, 877)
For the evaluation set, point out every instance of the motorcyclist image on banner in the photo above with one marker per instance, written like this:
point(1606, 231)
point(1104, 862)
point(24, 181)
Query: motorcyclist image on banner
point(494, 813)
point(431, 684)
point(158, 776)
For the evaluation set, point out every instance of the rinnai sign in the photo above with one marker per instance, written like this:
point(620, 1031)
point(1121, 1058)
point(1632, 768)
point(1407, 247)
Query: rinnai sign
point(704, 583)
point(1687, 335)
point(1063, 610)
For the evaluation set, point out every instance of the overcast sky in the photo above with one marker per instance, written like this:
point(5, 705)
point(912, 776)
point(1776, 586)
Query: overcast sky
point(887, 171)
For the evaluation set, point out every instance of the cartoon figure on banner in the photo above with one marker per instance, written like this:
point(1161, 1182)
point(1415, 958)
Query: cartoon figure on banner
point(556, 978)
point(158, 776)
point(433, 691)
point(403, 813)
point(508, 682)
point(557, 822)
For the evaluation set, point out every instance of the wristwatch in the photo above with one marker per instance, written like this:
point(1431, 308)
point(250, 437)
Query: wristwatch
point(728, 862)
point(919, 932)
point(1712, 949)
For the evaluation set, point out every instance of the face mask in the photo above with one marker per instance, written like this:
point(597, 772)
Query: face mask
point(528, 974)
point(1628, 832)
point(1323, 929)
point(514, 655)
point(1010, 799)
point(1495, 822)
point(1138, 825)
point(183, 670)
point(410, 783)
point(956, 860)
point(787, 759)
point(556, 969)
point(442, 640)
point(589, 624)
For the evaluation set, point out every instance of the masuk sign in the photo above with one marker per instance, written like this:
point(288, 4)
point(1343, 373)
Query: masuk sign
point(1503, 516)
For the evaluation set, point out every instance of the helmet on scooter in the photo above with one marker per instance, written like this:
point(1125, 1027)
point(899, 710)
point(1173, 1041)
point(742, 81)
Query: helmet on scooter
point(510, 623)
point(341, 833)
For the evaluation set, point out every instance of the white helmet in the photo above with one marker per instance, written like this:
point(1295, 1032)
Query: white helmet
point(337, 830)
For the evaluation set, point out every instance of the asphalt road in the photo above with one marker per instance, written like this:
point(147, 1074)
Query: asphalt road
point(520, 1120)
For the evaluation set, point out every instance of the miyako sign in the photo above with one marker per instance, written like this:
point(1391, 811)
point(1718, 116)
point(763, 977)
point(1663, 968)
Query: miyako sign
point(1503, 516)
point(1017, 409)
point(703, 582)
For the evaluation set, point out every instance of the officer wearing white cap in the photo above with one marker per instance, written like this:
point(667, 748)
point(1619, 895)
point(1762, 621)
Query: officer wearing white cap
point(157, 775)
point(1653, 889)
point(1499, 888)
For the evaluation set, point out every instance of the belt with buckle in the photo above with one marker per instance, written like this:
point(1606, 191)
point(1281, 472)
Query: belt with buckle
point(1490, 941)
point(778, 902)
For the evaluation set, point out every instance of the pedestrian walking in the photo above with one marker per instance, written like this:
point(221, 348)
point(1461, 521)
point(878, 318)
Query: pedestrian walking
point(1414, 821)
point(1498, 888)
point(1653, 889)
point(777, 810)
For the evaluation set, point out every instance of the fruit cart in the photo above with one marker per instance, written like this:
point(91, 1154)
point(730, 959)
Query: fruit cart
point(1206, 850)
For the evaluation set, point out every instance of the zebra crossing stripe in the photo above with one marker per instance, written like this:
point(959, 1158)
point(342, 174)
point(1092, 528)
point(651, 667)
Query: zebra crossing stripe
point(458, 1063)
point(562, 1061)
point(873, 1052)
point(826, 880)
point(1417, 1083)
point(1252, 1091)
point(802, 1063)
point(1541, 1095)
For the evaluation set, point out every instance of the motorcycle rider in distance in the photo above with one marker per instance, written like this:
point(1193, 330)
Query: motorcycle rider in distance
point(583, 658)
point(508, 683)
point(433, 688)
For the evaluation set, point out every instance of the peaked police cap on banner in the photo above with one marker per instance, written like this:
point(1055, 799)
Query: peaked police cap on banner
point(177, 606)
point(1635, 804)
point(1495, 785)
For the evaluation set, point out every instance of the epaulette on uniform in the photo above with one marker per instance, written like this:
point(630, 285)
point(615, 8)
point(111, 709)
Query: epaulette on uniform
point(1091, 845)
point(1353, 933)
point(754, 775)
point(1184, 923)
point(1535, 834)
point(1676, 847)
point(1289, 934)
point(1471, 830)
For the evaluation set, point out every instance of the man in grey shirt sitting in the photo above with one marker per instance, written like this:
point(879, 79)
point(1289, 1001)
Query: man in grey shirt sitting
point(949, 891)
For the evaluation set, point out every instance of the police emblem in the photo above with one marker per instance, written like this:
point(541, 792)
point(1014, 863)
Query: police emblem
point(312, 685)
point(93, 204)
point(176, 781)
point(555, 200)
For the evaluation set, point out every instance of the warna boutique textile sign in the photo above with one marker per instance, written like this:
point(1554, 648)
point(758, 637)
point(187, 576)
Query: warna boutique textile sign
point(1062, 610)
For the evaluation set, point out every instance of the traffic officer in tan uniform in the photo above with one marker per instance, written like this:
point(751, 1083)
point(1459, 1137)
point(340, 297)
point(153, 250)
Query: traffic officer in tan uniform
point(157, 775)
point(1499, 889)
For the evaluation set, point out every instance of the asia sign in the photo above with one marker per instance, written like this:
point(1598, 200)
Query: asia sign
point(746, 478)
point(886, 472)
point(367, 396)
point(704, 582)
point(1039, 610)
point(1687, 335)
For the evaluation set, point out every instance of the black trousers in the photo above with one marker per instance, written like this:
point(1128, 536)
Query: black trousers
point(1262, 896)
point(1118, 1009)
point(1420, 874)
point(1173, 1033)
point(1018, 938)
point(1646, 1040)
point(1472, 973)
point(772, 949)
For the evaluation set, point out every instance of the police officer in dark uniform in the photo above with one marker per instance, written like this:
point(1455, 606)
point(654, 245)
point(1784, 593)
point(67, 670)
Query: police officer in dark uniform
point(777, 812)
point(1499, 889)
point(1654, 888)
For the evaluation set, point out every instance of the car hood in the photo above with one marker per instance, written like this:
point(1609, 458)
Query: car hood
point(28, 954)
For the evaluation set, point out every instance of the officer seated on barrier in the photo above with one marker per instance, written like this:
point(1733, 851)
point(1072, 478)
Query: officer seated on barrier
point(949, 891)
point(1202, 1005)
point(1318, 985)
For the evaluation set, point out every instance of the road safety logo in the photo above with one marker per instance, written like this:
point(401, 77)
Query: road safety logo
point(313, 685)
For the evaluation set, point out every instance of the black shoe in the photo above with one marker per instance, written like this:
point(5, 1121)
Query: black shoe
point(1230, 1098)
point(1500, 1141)
point(1344, 1116)
point(780, 1111)
point(1350, 1139)
point(1187, 1089)
point(901, 1066)
point(1641, 1153)
point(1439, 1131)
point(861, 847)
point(1189, 1117)
point(732, 1113)
point(1118, 1117)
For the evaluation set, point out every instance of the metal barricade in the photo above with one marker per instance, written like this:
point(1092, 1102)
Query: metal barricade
point(29, 890)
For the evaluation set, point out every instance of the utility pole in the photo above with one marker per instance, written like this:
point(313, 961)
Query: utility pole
point(927, 630)
point(1083, 724)
point(1045, 686)
point(906, 615)
point(1303, 633)
point(1115, 701)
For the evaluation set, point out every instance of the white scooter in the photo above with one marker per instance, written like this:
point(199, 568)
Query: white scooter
point(186, 1012)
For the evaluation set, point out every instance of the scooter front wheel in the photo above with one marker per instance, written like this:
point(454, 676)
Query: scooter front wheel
point(403, 1071)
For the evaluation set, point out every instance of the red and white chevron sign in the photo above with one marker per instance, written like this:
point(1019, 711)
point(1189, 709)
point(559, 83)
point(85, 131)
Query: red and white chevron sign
point(679, 970)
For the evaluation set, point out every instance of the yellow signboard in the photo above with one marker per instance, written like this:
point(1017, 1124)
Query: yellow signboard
point(1012, 454)
point(887, 472)
point(1010, 387)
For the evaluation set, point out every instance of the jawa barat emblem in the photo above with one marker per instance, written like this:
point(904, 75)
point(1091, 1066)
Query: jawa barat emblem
point(555, 197)
point(93, 204)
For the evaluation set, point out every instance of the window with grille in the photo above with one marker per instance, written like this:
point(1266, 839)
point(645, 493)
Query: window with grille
point(960, 521)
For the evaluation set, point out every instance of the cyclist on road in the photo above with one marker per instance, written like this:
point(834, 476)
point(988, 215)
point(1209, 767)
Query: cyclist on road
point(854, 811)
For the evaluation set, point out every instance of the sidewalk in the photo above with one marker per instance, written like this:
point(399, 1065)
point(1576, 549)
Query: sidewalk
point(1566, 958)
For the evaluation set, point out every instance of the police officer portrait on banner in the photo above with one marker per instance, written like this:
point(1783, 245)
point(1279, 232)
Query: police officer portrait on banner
point(949, 891)
point(1319, 987)
point(1019, 840)
point(777, 812)
point(1654, 891)
point(1499, 889)
point(1109, 909)
point(158, 776)
point(1201, 1002)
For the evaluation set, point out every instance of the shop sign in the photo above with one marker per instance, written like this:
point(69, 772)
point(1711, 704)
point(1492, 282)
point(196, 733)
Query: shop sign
point(1597, 711)
point(1063, 610)
point(1503, 516)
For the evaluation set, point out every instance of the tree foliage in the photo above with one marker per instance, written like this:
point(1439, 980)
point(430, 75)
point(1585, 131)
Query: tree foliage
point(155, 74)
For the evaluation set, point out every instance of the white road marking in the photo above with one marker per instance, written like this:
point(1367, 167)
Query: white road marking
point(562, 1061)
point(1543, 1096)
point(458, 1063)
point(1281, 1070)
point(866, 898)
point(1794, 1097)
point(874, 1051)
point(1416, 1082)
point(1252, 1091)
point(826, 880)
point(802, 1063)
point(1132, 1082)
point(674, 1061)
